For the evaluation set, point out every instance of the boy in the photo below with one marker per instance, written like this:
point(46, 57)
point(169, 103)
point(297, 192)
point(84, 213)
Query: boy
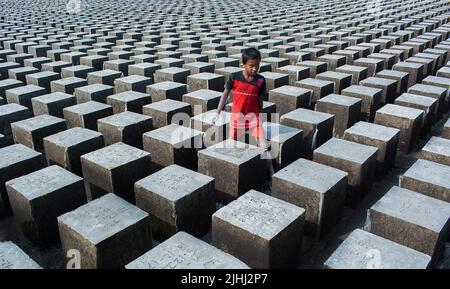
point(248, 92)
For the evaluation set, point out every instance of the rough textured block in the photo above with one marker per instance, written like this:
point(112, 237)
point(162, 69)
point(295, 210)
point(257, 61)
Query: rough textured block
point(428, 178)
point(202, 100)
point(401, 77)
point(236, 167)
point(163, 112)
point(43, 79)
point(341, 80)
point(14, 258)
point(173, 144)
point(10, 113)
point(317, 126)
point(441, 82)
point(286, 143)
point(108, 232)
point(65, 148)
point(358, 72)
point(446, 130)
point(318, 188)
point(408, 120)
point(126, 127)
point(133, 82)
point(358, 160)
point(288, 98)
point(411, 219)
point(214, 133)
point(255, 228)
point(52, 104)
point(425, 103)
point(371, 99)
point(358, 249)
point(30, 132)
point(93, 92)
point(274, 80)
point(166, 90)
point(114, 169)
point(128, 101)
point(383, 137)
point(415, 71)
point(206, 80)
point(177, 199)
point(433, 91)
point(173, 74)
point(346, 111)
point(437, 149)
point(171, 255)
point(7, 84)
point(86, 114)
point(320, 88)
point(38, 198)
point(387, 85)
point(16, 160)
point(295, 72)
point(106, 77)
point(23, 94)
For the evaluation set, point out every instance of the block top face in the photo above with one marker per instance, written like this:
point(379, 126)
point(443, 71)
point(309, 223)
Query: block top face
point(207, 117)
point(358, 248)
point(347, 150)
point(26, 89)
point(429, 172)
point(167, 105)
point(128, 95)
point(206, 75)
point(69, 80)
point(166, 85)
point(273, 75)
point(392, 73)
point(417, 99)
point(232, 151)
point(290, 90)
point(123, 119)
point(315, 82)
point(230, 69)
point(414, 207)
point(378, 81)
point(364, 90)
point(94, 87)
point(53, 97)
point(307, 115)
point(132, 79)
point(105, 72)
point(37, 122)
point(293, 68)
point(87, 107)
point(373, 131)
point(437, 79)
point(42, 182)
point(11, 108)
point(416, 88)
point(312, 175)
point(102, 218)
point(400, 111)
point(43, 74)
point(190, 252)
point(204, 94)
point(340, 99)
point(354, 68)
point(115, 155)
point(16, 153)
point(335, 75)
point(278, 132)
point(10, 81)
point(174, 134)
point(174, 182)
point(260, 214)
point(438, 145)
point(413, 65)
point(72, 136)
point(12, 257)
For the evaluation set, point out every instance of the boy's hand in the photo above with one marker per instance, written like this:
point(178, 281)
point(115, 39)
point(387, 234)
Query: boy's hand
point(216, 117)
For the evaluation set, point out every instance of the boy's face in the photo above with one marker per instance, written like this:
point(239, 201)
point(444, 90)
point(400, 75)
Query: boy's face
point(252, 67)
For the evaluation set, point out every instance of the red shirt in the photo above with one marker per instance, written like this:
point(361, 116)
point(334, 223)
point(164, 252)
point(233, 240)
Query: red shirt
point(245, 112)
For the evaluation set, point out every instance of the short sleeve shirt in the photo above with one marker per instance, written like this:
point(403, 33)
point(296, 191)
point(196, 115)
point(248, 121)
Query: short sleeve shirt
point(246, 98)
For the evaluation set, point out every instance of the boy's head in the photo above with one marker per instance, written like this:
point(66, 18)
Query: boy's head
point(251, 59)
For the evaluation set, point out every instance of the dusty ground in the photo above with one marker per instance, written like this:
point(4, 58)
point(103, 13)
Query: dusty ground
point(314, 253)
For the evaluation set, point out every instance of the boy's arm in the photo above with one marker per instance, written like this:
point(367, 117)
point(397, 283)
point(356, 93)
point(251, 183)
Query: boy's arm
point(222, 101)
point(262, 93)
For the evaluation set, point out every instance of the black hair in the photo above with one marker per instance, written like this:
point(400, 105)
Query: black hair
point(250, 54)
